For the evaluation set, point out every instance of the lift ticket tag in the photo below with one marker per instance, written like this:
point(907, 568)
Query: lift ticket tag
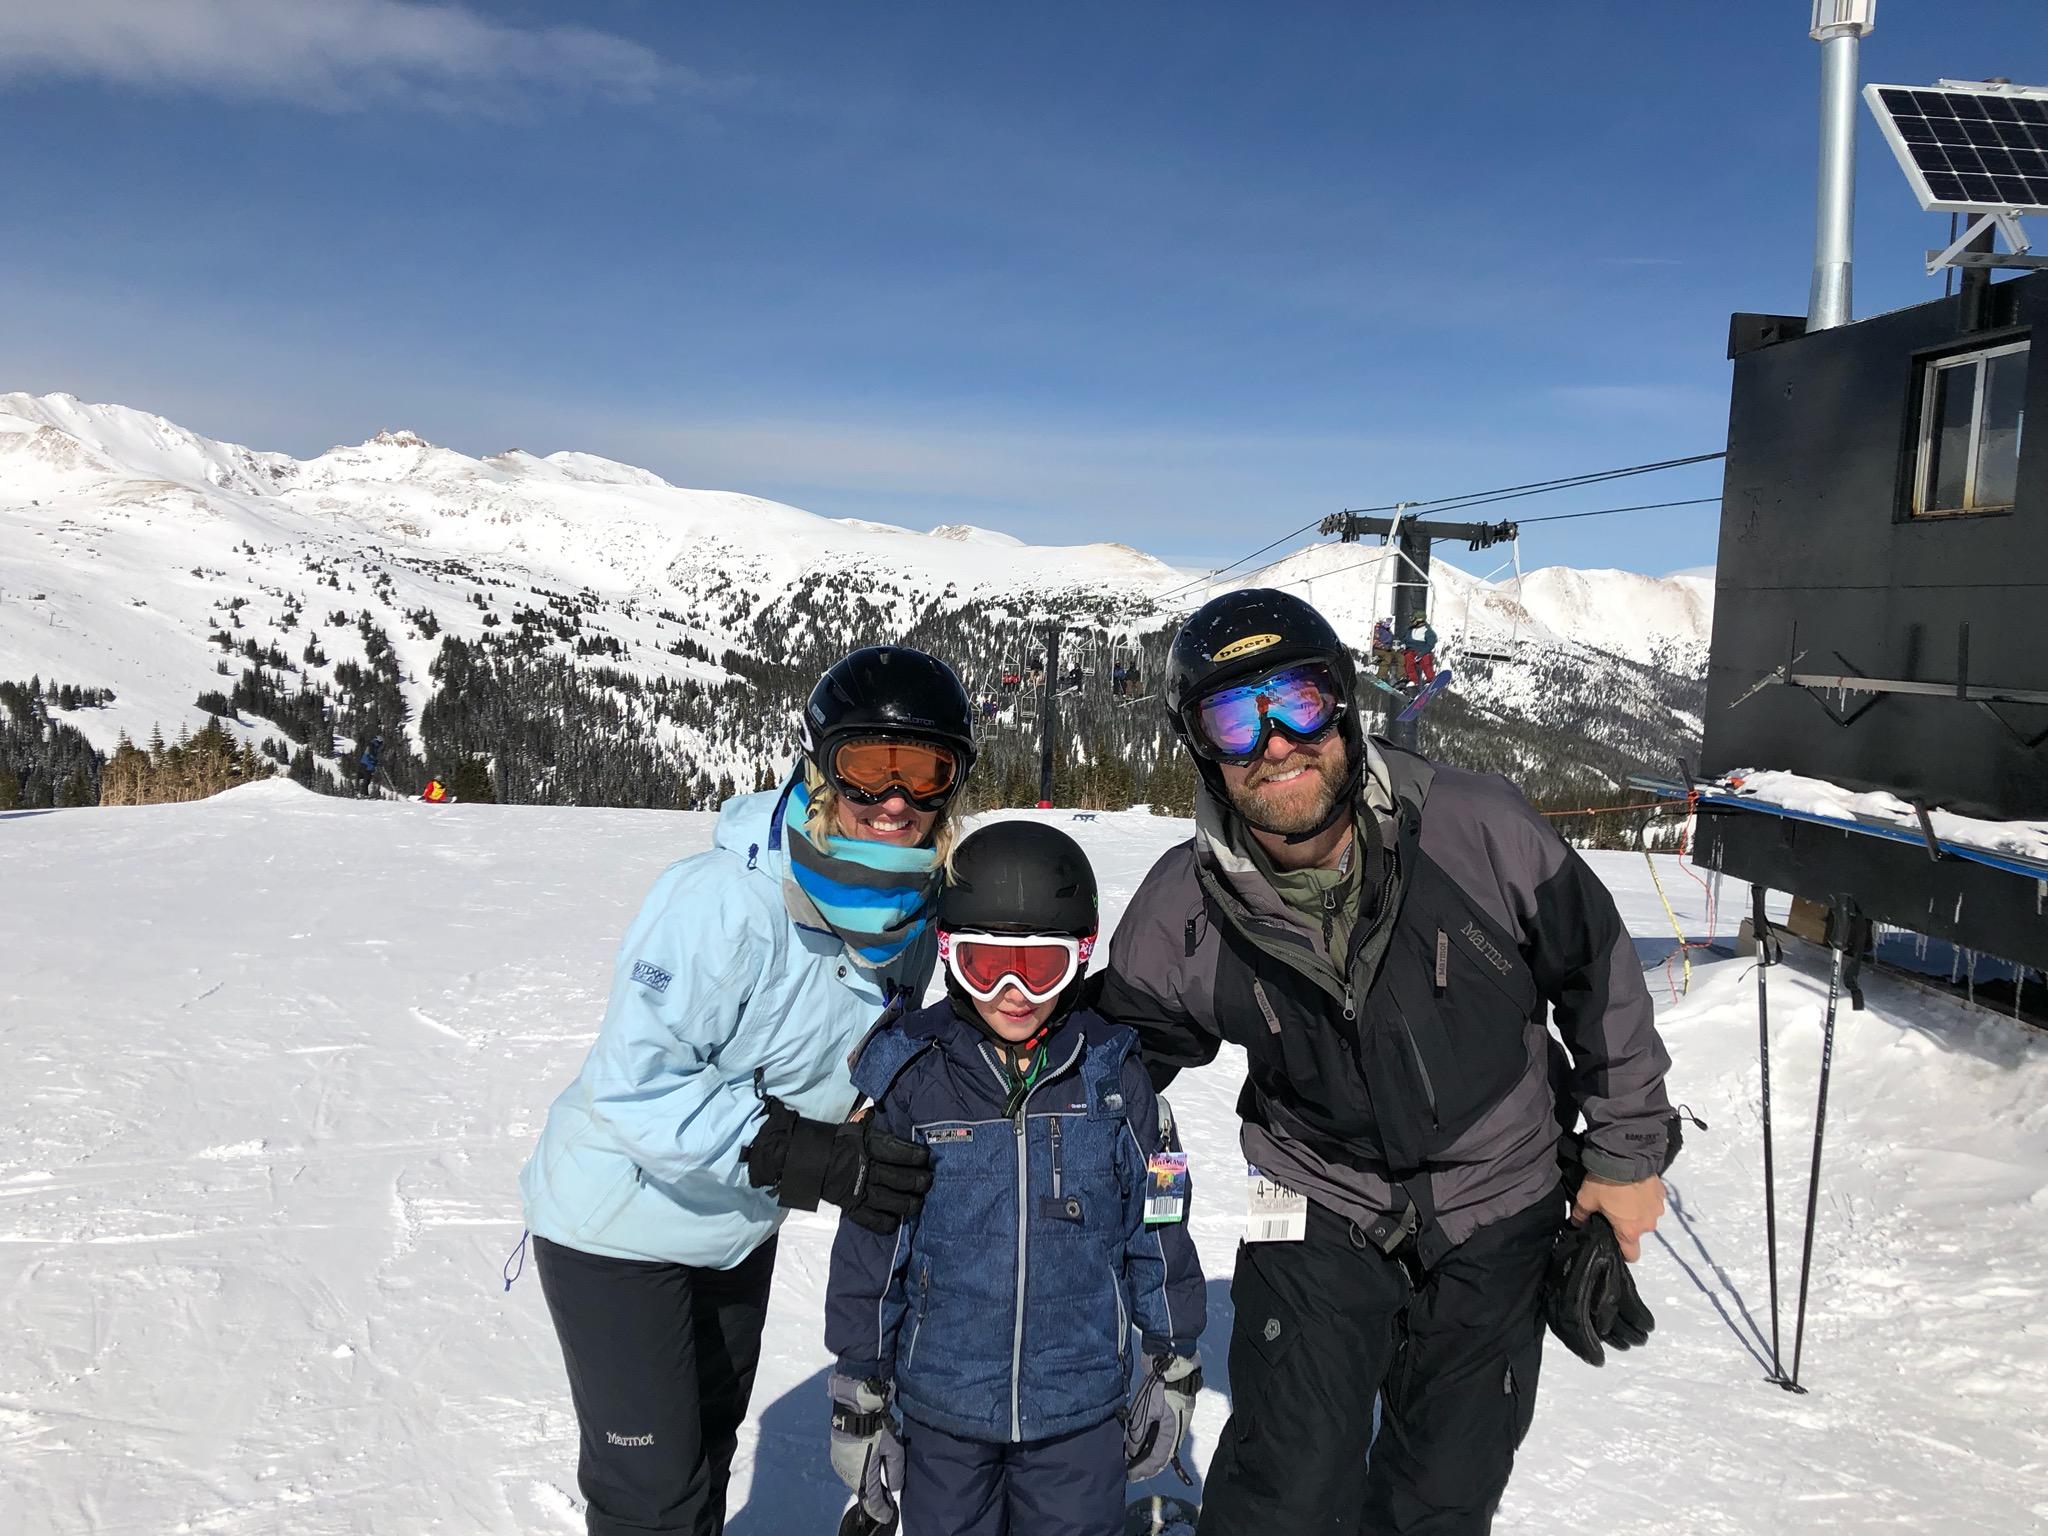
point(1166, 1189)
point(1273, 1212)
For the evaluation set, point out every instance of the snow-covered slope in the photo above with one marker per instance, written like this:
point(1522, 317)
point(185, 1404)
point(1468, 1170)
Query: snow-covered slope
point(127, 542)
point(270, 1063)
point(1651, 619)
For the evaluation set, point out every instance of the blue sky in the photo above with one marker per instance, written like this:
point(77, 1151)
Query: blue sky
point(1186, 275)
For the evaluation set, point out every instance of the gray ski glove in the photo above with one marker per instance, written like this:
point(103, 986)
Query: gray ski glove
point(866, 1450)
point(1157, 1420)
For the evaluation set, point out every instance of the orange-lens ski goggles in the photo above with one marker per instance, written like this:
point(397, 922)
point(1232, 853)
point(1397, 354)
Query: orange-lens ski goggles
point(869, 769)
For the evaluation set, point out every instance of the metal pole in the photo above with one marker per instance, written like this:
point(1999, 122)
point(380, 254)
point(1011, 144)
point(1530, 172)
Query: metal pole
point(1411, 602)
point(1048, 723)
point(1842, 935)
point(1760, 931)
point(1838, 26)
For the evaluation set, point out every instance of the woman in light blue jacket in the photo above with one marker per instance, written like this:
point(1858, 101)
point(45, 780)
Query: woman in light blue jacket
point(716, 1094)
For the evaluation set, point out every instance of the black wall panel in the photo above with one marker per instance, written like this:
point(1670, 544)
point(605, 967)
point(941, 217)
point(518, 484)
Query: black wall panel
point(1815, 534)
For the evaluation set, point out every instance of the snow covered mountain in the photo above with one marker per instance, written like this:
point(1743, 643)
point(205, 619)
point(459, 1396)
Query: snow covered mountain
point(139, 556)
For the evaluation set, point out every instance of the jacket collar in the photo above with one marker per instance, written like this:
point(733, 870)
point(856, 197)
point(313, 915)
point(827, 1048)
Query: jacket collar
point(1393, 781)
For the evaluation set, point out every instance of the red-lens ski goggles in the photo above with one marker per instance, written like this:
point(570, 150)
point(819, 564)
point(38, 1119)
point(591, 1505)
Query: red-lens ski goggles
point(1040, 965)
point(869, 769)
point(1233, 725)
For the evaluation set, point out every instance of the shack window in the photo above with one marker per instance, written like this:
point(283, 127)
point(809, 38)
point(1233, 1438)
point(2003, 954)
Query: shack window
point(1972, 408)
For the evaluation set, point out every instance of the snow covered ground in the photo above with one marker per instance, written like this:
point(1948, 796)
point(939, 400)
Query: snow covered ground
point(269, 1063)
point(1818, 797)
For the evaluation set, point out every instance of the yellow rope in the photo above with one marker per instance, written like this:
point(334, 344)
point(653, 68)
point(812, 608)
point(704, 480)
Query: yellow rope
point(1684, 951)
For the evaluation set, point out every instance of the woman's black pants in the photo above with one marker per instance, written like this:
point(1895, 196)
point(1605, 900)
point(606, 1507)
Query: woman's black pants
point(661, 1362)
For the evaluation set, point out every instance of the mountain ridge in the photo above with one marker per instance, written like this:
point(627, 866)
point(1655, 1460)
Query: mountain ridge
point(131, 539)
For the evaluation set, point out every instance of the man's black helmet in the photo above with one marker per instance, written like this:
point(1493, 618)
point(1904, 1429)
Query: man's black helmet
point(888, 690)
point(1019, 877)
point(1246, 634)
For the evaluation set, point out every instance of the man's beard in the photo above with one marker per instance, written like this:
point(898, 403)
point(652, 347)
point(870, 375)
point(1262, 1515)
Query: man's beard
point(1331, 769)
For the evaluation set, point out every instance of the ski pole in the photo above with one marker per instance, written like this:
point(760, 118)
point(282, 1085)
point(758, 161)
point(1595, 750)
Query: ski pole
point(1761, 932)
point(1820, 1120)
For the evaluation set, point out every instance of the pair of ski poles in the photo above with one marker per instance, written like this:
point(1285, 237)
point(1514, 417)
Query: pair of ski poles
point(1844, 932)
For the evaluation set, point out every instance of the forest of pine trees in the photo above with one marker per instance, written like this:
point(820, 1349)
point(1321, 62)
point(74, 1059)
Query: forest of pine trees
point(191, 768)
point(44, 762)
point(548, 707)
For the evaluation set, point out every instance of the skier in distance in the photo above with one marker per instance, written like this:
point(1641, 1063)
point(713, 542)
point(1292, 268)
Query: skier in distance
point(1387, 938)
point(716, 1095)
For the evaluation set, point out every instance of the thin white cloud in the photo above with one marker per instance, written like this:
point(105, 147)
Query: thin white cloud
point(332, 55)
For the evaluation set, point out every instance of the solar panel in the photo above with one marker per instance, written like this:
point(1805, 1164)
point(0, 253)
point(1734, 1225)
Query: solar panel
point(1968, 151)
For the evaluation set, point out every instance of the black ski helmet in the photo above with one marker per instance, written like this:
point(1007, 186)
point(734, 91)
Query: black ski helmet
point(1019, 877)
point(888, 690)
point(1249, 633)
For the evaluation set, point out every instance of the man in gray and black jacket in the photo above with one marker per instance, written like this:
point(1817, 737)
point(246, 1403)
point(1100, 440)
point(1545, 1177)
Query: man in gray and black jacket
point(1388, 940)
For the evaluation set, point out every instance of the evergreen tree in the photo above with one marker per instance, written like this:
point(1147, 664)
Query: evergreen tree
point(471, 782)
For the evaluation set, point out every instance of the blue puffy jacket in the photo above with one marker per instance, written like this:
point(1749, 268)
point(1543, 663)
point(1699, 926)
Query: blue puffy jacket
point(1004, 1311)
point(640, 1155)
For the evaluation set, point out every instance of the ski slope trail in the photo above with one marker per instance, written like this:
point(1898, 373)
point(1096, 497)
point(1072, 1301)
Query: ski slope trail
point(270, 1064)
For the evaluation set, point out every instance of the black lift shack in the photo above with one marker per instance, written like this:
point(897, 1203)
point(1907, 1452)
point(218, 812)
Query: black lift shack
point(1881, 605)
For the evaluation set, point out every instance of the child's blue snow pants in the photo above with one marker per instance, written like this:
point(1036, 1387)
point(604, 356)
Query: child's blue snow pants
point(1071, 1485)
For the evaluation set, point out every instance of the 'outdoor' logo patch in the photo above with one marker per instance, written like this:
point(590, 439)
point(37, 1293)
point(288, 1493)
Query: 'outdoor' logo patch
point(651, 976)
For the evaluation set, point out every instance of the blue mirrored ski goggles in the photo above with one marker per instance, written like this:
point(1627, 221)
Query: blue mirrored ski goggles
point(1233, 725)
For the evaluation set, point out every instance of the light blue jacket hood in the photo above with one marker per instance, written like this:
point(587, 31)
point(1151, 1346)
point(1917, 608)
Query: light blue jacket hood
point(714, 983)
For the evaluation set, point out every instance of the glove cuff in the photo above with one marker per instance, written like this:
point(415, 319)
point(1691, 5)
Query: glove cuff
point(860, 1405)
point(804, 1168)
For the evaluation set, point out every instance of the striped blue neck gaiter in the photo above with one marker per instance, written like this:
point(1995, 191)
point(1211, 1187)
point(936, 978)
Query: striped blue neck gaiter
point(876, 897)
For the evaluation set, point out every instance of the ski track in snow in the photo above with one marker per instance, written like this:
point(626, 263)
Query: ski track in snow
point(271, 1064)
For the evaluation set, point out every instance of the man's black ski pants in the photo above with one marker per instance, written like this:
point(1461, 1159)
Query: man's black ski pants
point(661, 1362)
point(1322, 1326)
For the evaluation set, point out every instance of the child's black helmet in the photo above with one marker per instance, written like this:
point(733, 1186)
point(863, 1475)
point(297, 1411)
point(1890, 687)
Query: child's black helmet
point(1019, 877)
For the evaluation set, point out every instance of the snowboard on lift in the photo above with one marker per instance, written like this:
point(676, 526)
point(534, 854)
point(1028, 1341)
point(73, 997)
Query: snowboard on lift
point(1435, 686)
point(1159, 1515)
point(1384, 686)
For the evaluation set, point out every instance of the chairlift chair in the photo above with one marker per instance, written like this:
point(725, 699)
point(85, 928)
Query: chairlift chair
point(1125, 653)
point(1512, 649)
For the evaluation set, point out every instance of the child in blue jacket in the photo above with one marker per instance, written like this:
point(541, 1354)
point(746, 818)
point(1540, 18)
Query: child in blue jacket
point(998, 1322)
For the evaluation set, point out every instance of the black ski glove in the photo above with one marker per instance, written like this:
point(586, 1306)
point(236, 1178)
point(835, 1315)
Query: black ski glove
point(875, 1178)
point(1590, 1298)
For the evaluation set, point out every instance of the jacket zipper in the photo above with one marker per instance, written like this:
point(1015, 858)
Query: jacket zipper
point(1052, 1127)
point(1024, 1245)
point(924, 1294)
point(1415, 1049)
point(1123, 1318)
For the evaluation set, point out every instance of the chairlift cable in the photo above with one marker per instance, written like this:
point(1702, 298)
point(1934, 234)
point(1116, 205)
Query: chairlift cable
point(1647, 506)
point(1482, 498)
